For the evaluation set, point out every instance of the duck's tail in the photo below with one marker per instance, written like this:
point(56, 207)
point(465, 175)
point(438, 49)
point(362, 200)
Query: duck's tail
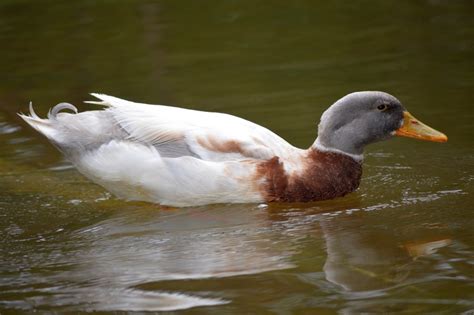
point(47, 126)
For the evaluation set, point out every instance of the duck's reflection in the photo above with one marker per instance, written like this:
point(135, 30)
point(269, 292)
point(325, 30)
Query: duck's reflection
point(139, 254)
point(363, 258)
point(363, 251)
point(147, 250)
point(185, 244)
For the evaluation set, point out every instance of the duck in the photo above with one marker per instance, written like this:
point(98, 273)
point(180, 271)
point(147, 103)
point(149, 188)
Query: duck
point(181, 157)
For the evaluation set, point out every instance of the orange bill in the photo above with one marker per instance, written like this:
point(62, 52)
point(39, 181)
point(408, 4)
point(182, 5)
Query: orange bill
point(413, 128)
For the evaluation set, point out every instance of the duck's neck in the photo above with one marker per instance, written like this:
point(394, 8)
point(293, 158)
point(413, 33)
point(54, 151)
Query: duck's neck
point(330, 174)
point(323, 175)
point(319, 146)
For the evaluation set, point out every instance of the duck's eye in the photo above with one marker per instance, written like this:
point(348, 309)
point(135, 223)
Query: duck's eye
point(382, 107)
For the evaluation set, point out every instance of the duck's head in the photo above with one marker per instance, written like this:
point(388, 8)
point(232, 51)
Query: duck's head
point(362, 118)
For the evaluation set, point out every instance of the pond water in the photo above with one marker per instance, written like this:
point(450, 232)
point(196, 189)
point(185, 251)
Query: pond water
point(403, 242)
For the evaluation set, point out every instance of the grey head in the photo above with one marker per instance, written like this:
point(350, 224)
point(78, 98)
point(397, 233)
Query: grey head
point(358, 119)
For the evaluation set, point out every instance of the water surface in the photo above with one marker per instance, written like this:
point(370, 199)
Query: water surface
point(402, 243)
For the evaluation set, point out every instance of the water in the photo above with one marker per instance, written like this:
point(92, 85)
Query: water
point(402, 243)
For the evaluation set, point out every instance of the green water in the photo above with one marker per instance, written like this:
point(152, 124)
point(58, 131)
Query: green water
point(403, 243)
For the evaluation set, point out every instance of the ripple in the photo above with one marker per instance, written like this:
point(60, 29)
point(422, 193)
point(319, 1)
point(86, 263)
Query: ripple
point(138, 300)
point(101, 299)
point(408, 198)
point(62, 167)
point(6, 128)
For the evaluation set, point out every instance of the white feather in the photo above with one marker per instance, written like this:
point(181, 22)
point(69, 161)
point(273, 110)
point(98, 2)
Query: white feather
point(164, 154)
point(135, 171)
point(159, 124)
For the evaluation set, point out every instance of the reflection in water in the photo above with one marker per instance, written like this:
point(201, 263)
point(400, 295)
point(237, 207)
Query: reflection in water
point(417, 249)
point(143, 258)
point(131, 251)
point(362, 259)
point(133, 256)
point(120, 299)
point(191, 244)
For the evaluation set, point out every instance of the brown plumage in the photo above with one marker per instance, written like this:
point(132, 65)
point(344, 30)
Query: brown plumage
point(325, 175)
point(213, 144)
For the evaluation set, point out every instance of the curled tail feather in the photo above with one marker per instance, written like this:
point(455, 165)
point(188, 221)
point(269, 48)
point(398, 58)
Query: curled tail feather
point(46, 126)
point(56, 109)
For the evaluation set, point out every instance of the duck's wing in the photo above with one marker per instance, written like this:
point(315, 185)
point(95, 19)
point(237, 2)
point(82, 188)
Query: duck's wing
point(176, 132)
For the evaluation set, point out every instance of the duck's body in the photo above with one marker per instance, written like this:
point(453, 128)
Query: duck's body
point(182, 157)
